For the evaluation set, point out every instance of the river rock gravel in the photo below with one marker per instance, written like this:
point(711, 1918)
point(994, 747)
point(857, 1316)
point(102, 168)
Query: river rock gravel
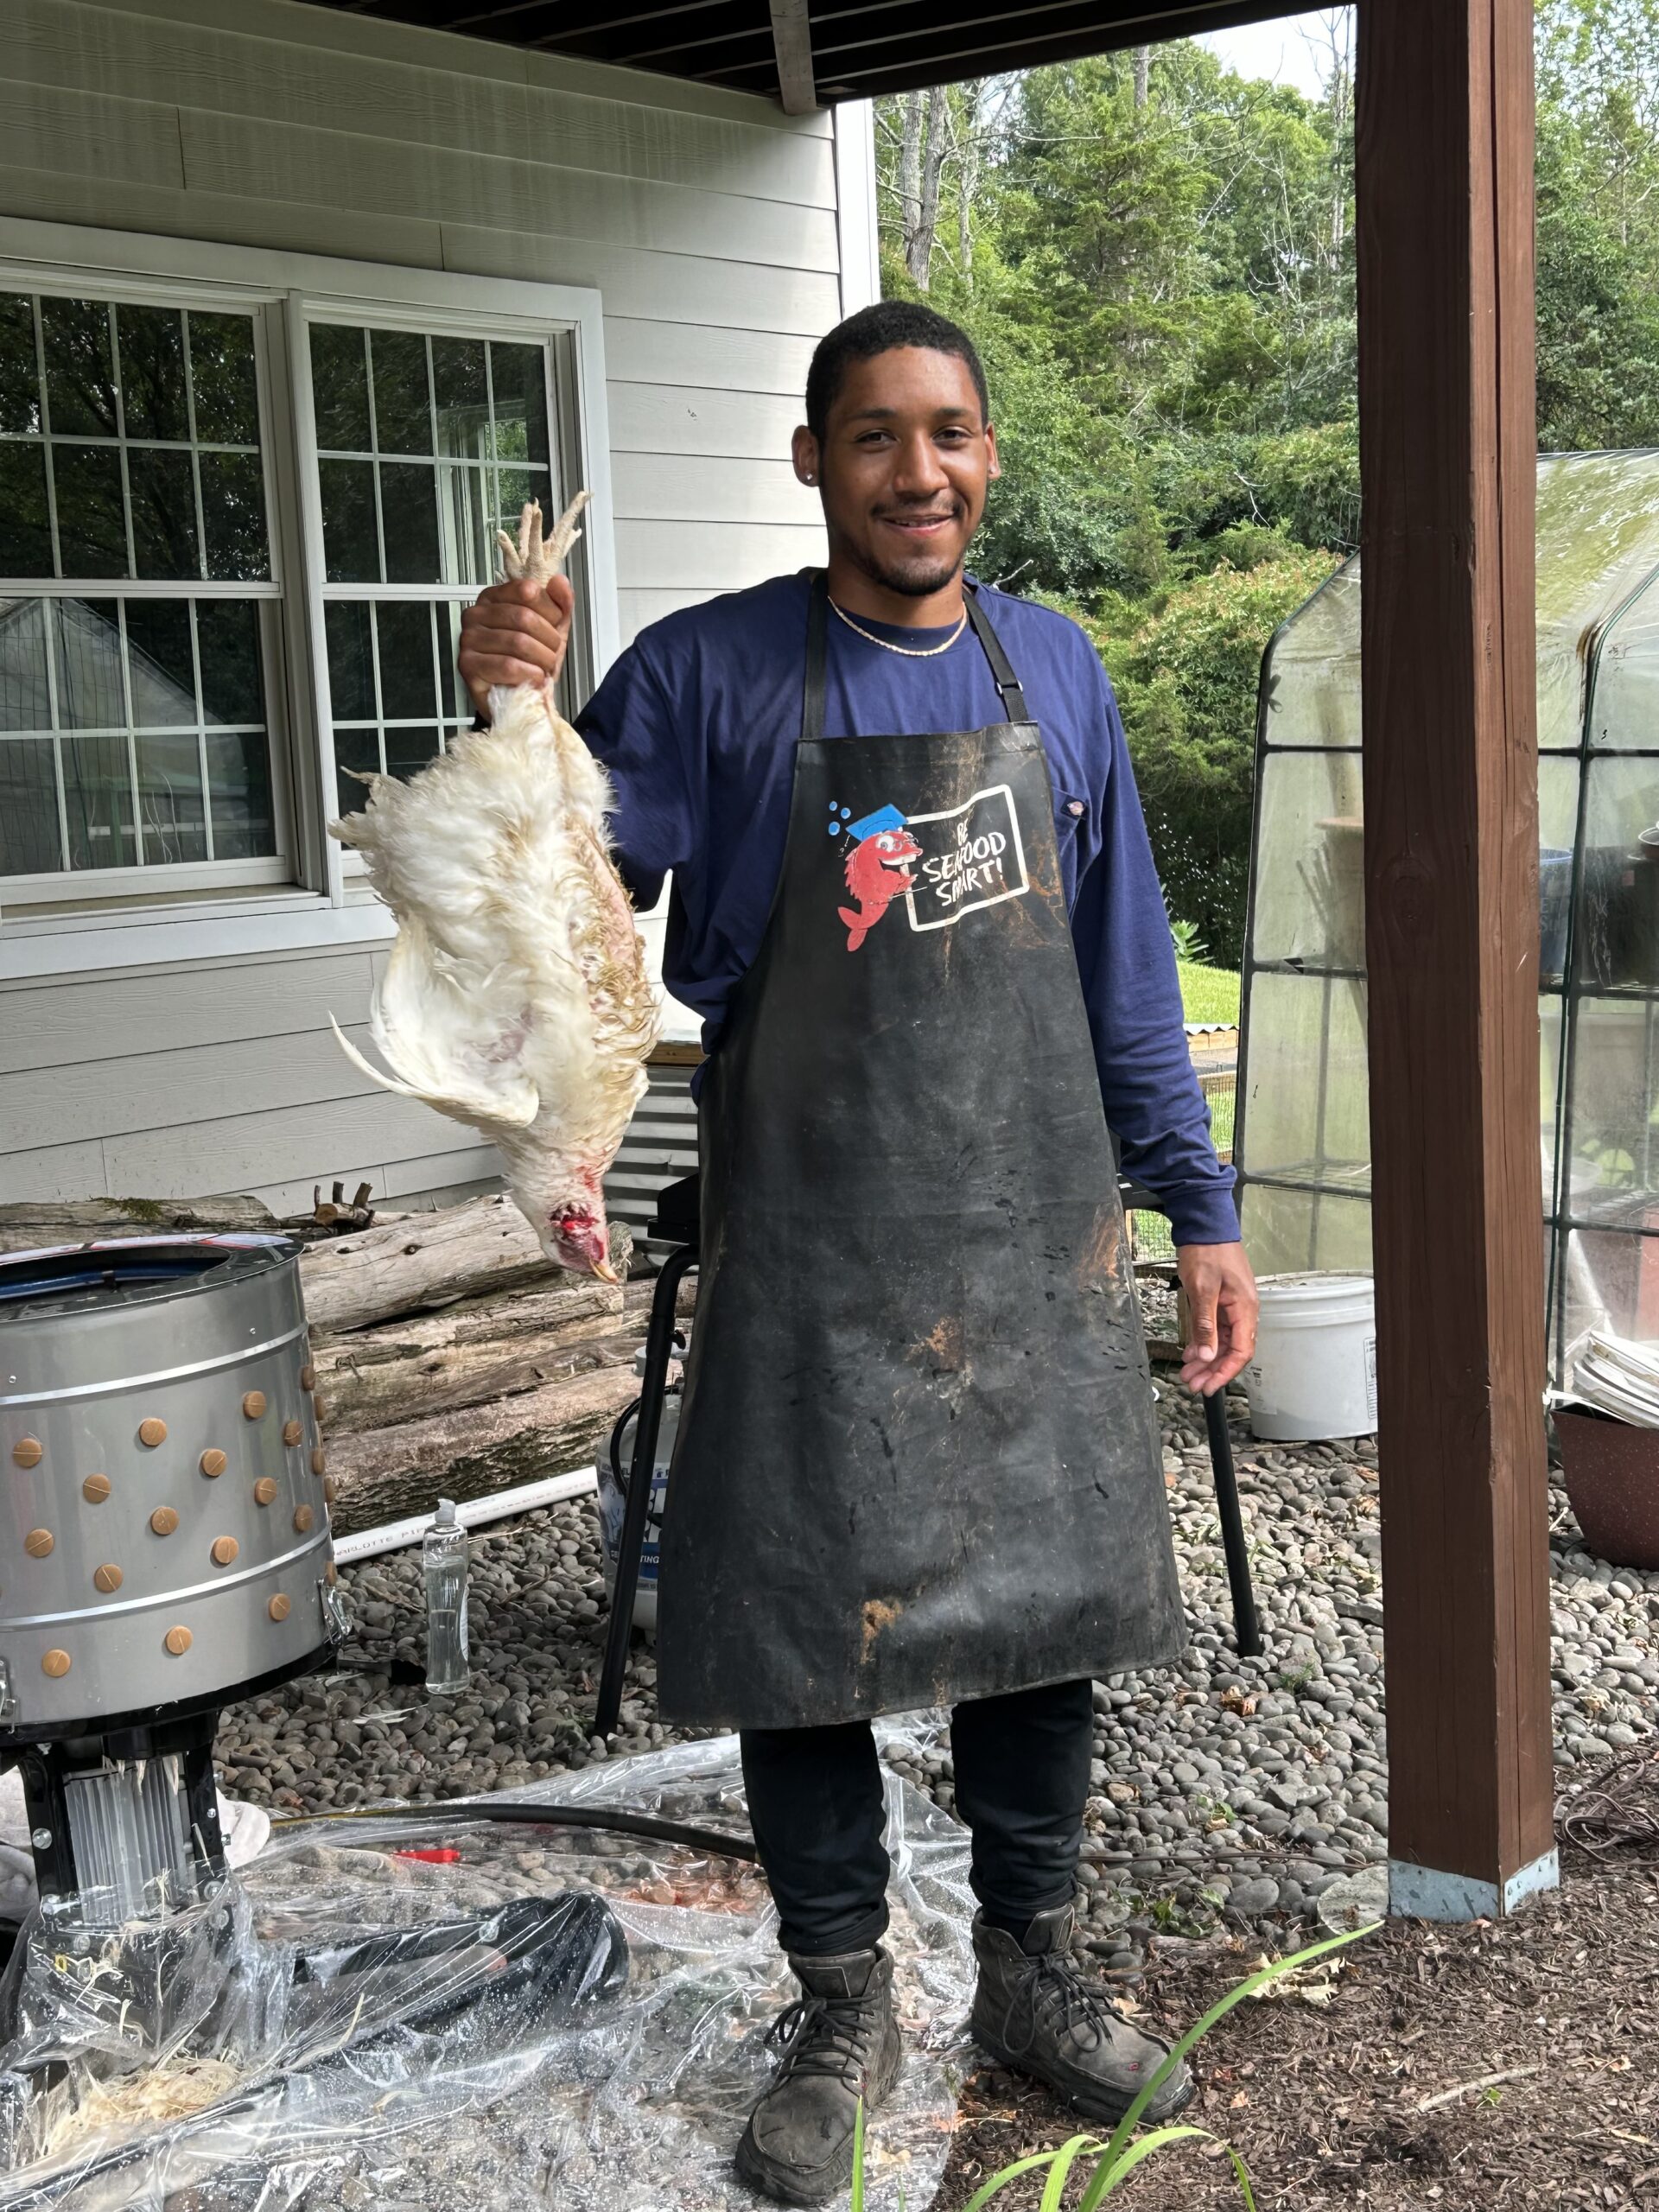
point(1226, 1791)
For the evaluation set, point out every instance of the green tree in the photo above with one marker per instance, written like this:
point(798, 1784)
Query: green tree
point(1598, 103)
point(1597, 337)
point(1065, 516)
point(1100, 204)
point(1598, 223)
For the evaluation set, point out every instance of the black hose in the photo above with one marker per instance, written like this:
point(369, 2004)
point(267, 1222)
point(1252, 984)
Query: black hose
point(622, 1420)
point(709, 1840)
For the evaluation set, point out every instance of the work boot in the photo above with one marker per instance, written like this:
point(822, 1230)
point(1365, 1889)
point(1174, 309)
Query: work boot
point(840, 2042)
point(1034, 2011)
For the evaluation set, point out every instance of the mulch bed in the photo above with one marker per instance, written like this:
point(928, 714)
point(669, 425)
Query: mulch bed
point(1345, 2107)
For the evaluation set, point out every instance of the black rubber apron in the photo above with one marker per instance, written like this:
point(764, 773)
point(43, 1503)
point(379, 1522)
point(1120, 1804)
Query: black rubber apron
point(918, 1459)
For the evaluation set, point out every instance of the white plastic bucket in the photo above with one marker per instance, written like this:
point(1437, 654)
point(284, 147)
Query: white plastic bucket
point(1314, 1373)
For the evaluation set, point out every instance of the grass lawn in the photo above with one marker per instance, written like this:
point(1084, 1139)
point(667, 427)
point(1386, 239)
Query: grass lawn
point(1208, 993)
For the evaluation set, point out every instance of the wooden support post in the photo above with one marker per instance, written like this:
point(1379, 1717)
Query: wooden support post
point(1448, 464)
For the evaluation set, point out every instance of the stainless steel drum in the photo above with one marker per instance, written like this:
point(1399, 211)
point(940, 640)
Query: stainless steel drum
point(164, 1542)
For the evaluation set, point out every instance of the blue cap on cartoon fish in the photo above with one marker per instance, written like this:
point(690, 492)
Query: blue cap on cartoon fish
point(885, 817)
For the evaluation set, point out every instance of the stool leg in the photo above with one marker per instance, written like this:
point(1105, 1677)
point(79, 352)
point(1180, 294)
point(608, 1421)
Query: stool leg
point(660, 1349)
point(1247, 1628)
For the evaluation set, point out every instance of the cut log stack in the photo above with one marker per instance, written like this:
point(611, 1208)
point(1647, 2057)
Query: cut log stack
point(452, 1359)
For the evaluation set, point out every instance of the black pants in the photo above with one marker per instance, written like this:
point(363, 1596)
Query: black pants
point(1021, 1779)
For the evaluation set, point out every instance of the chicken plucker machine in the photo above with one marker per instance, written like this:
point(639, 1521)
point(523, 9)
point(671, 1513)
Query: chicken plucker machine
point(164, 1545)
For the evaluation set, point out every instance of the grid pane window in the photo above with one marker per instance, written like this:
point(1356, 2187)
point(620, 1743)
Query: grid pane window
point(132, 734)
point(397, 699)
point(425, 445)
point(128, 442)
point(153, 581)
point(133, 724)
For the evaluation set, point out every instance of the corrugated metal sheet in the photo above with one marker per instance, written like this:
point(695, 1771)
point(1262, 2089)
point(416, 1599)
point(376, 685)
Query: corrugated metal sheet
point(660, 1146)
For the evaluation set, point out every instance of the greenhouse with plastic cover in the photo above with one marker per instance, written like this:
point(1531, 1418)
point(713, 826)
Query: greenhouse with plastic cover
point(1302, 1139)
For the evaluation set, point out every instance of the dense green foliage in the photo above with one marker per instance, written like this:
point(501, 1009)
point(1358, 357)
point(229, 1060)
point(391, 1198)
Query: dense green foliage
point(1597, 224)
point(1156, 258)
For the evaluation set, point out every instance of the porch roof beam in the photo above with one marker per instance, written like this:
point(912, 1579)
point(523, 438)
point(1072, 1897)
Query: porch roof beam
point(857, 49)
point(791, 42)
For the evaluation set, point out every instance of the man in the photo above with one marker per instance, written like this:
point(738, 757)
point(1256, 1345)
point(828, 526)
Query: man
point(918, 1463)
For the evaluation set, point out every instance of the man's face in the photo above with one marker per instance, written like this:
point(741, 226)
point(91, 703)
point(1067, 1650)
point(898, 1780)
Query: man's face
point(903, 468)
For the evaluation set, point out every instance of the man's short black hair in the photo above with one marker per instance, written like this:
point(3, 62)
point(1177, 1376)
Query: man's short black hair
point(879, 329)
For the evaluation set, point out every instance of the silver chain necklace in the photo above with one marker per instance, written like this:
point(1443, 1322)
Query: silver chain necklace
point(910, 653)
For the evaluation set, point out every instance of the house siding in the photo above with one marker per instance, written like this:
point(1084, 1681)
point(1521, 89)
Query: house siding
point(709, 224)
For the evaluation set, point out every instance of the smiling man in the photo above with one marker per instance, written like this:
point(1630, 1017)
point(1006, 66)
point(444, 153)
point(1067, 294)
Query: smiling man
point(919, 1463)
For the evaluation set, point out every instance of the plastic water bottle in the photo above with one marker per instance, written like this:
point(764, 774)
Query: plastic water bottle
point(444, 1554)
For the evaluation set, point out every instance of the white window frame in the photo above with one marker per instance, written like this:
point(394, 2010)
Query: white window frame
point(307, 308)
point(126, 917)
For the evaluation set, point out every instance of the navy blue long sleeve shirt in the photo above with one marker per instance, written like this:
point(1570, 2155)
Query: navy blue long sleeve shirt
point(697, 723)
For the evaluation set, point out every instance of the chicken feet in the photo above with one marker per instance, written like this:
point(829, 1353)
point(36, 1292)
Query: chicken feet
point(531, 556)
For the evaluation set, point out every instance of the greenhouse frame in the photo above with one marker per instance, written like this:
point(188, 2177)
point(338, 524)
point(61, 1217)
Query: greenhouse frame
point(1302, 1133)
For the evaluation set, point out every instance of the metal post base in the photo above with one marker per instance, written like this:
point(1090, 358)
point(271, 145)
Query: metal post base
point(1423, 1893)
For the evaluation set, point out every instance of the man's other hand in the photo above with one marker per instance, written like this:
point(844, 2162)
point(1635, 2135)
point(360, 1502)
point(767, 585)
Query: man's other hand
point(1220, 1312)
point(517, 633)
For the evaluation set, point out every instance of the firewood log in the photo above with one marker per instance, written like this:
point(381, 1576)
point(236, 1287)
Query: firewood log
point(482, 1348)
point(398, 1383)
point(386, 1473)
point(428, 1260)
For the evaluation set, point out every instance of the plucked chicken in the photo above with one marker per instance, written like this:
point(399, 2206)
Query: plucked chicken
point(516, 997)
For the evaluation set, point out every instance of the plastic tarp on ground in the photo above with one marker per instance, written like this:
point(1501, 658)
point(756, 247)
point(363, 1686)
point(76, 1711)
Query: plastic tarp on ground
point(550, 2014)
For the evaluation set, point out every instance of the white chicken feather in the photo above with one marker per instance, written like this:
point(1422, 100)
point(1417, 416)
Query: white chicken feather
point(516, 997)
